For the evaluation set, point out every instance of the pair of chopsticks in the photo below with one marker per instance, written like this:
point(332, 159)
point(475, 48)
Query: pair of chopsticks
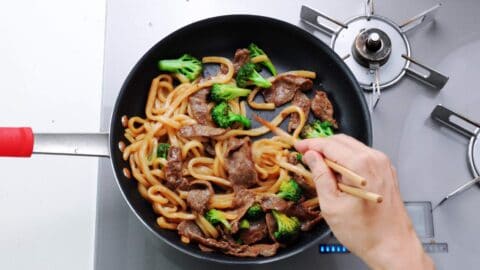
point(356, 179)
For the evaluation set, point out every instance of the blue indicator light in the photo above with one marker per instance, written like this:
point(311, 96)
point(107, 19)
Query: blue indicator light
point(332, 248)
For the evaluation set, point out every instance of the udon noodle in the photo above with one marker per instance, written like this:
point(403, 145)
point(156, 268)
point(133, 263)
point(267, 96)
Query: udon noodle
point(166, 112)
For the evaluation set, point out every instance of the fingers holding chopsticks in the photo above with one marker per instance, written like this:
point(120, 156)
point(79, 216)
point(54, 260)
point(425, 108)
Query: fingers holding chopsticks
point(356, 164)
point(337, 154)
point(324, 179)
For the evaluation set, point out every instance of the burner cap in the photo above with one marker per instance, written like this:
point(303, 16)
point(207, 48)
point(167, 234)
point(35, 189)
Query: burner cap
point(474, 154)
point(373, 40)
point(372, 47)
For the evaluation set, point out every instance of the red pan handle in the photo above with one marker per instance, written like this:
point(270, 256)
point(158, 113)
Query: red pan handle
point(16, 142)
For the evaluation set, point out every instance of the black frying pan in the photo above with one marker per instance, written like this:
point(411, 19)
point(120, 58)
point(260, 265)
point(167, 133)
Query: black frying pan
point(289, 47)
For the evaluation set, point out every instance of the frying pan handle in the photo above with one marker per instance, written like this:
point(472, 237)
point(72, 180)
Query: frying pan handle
point(448, 117)
point(16, 142)
point(22, 142)
point(72, 144)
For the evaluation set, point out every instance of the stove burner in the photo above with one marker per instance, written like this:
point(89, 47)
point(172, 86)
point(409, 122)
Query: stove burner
point(380, 48)
point(372, 48)
point(474, 150)
point(466, 127)
point(365, 62)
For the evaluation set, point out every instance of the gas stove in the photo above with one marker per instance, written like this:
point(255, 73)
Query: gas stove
point(431, 160)
point(375, 48)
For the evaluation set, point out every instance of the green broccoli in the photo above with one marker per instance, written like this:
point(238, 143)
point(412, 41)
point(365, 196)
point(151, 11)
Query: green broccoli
point(215, 216)
point(299, 157)
point(186, 65)
point(254, 212)
point(287, 227)
point(256, 51)
point(317, 129)
point(290, 190)
point(244, 224)
point(224, 117)
point(248, 75)
point(162, 150)
point(225, 92)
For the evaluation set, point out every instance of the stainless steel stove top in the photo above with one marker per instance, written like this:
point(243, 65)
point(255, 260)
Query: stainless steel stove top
point(431, 160)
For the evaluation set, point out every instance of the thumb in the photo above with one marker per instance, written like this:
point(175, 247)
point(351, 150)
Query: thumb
point(325, 180)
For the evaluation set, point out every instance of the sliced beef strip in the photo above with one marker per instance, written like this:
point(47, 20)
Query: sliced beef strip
point(242, 200)
point(284, 87)
point(223, 69)
point(243, 197)
point(200, 131)
point(242, 56)
point(205, 248)
point(292, 158)
point(199, 195)
point(309, 224)
point(198, 104)
point(272, 202)
point(209, 148)
point(173, 170)
point(226, 236)
point(238, 250)
point(301, 100)
point(302, 213)
point(265, 250)
point(239, 163)
point(256, 232)
point(271, 225)
point(322, 108)
point(308, 190)
point(189, 229)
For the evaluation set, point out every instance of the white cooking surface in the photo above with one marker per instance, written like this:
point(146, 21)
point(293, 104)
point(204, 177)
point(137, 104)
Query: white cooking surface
point(51, 63)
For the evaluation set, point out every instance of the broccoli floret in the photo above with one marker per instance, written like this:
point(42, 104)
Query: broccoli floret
point(186, 65)
point(256, 51)
point(162, 150)
point(225, 92)
point(290, 190)
point(287, 227)
point(215, 216)
point(317, 129)
point(254, 212)
point(224, 117)
point(299, 157)
point(244, 224)
point(248, 75)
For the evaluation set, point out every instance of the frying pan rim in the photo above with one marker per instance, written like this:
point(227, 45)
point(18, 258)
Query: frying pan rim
point(308, 36)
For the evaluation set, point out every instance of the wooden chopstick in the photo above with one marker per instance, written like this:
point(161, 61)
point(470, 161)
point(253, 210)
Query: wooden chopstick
point(352, 176)
point(360, 193)
point(356, 179)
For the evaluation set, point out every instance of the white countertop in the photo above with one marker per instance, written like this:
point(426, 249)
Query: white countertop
point(51, 61)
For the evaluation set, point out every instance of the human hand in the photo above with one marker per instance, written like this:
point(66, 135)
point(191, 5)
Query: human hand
point(381, 234)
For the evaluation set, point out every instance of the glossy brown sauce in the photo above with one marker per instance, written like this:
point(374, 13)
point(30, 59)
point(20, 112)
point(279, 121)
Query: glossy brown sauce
point(121, 146)
point(126, 173)
point(124, 121)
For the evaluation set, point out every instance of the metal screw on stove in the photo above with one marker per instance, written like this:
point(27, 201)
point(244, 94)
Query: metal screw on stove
point(374, 43)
